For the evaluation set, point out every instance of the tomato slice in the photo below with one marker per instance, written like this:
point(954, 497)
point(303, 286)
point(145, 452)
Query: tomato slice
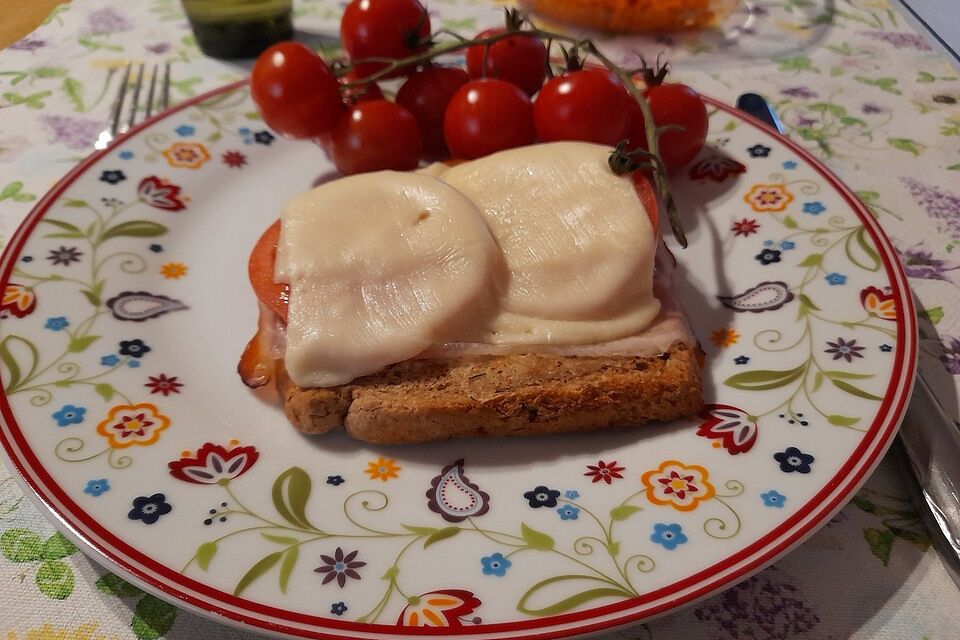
point(260, 270)
point(276, 295)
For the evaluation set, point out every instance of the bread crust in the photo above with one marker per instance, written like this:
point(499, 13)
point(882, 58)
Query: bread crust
point(428, 400)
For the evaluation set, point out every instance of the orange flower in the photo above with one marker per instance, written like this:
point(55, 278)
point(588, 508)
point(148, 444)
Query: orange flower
point(768, 197)
point(880, 304)
point(18, 300)
point(173, 270)
point(440, 608)
point(127, 425)
point(725, 337)
point(678, 485)
point(382, 469)
point(186, 155)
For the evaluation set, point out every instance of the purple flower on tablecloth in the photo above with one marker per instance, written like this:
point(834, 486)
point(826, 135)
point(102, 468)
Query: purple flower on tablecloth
point(159, 48)
point(757, 10)
point(28, 44)
point(920, 263)
point(870, 108)
point(951, 354)
point(799, 92)
point(937, 202)
point(108, 20)
point(77, 133)
point(899, 39)
point(764, 606)
point(804, 121)
point(12, 147)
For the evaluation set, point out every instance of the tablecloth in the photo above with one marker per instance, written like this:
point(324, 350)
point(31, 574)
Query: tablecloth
point(854, 84)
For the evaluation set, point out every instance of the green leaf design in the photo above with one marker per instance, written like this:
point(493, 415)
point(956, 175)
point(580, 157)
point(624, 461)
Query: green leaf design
point(253, 115)
point(55, 579)
point(828, 107)
point(11, 190)
point(881, 543)
point(571, 601)
point(806, 302)
point(74, 90)
point(152, 618)
point(106, 391)
point(442, 534)
point(391, 573)
point(21, 545)
point(205, 553)
point(614, 548)
point(49, 72)
point(850, 120)
point(797, 64)
point(923, 77)
point(730, 126)
point(906, 144)
point(842, 421)
point(888, 85)
point(80, 343)
point(91, 297)
point(291, 490)
point(812, 260)
point(56, 547)
point(764, 379)
point(789, 222)
point(66, 226)
point(818, 381)
point(954, 167)
point(73, 203)
point(423, 531)
point(10, 361)
point(286, 567)
point(134, 229)
point(847, 375)
point(862, 253)
point(623, 512)
point(864, 504)
point(934, 315)
point(117, 586)
point(284, 540)
point(535, 539)
point(257, 570)
point(854, 391)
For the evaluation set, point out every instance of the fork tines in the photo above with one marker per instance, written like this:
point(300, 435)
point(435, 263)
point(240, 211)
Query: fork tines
point(135, 87)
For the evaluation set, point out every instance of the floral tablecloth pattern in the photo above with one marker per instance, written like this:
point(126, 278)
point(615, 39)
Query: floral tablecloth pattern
point(853, 83)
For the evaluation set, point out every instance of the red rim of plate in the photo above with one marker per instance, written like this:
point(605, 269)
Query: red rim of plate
point(225, 607)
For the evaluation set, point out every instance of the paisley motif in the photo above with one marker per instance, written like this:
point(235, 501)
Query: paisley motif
point(454, 497)
point(766, 296)
point(137, 306)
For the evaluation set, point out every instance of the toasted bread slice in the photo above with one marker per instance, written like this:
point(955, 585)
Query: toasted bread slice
point(425, 400)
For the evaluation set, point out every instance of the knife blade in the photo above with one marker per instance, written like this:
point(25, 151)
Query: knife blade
point(929, 439)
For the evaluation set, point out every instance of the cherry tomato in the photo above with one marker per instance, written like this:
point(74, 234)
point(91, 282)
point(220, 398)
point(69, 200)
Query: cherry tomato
point(590, 105)
point(368, 91)
point(260, 270)
point(375, 135)
point(426, 95)
point(295, 91)
point(519, 59)
point(383, 29)
point(486, 116)
point(672, 104)
point(648, 197)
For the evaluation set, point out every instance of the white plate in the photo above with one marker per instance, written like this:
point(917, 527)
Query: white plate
point(132, 272)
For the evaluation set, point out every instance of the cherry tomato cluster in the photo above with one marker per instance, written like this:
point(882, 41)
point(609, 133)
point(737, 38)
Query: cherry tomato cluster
point(500, 101)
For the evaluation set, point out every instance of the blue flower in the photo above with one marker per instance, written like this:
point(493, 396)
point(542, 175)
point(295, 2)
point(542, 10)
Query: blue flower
point(148, 509)
point(814, 208)
point(263, 137)
point(568, 512)
point(835, 278)
point(758, 151)
point(786, 245)
point(886, 348)
point(668, 535)
point(56, 324)
point(741, 360)
point(768, 243)
point(110, 361)
point(570, 494)
point(68, 415)
point(338, 608)
point(133, 364)
point(542, 496)
point(185, 130)
point(112, 176)
point(335, 480)
point(495, 565)
point(790, 164)
point(97, 487)
point(126, 154)
point(792, 459)
point(156, 248)
point(768, 256)
point(773, 498)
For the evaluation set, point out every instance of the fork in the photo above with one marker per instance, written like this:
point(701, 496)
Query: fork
point(119, 125)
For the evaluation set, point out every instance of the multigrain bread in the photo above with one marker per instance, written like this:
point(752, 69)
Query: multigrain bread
point(425, 400)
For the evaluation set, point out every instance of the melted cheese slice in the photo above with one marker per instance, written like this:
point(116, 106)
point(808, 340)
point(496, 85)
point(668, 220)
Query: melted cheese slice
point(380, 266)
point(577, 244)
